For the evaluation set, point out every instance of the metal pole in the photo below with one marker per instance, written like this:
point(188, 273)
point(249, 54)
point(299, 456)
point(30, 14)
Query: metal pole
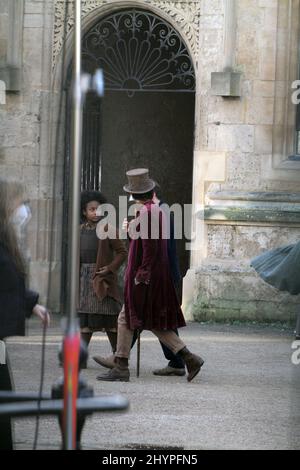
point(76, 170)
point(72, 336)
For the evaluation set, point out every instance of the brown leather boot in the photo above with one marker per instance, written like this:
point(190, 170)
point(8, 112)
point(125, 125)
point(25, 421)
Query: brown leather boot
point(120, 372)
point(192, 361)
point(107, 362)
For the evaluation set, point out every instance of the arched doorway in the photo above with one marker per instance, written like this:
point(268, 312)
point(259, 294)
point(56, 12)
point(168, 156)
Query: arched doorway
point(146, 118)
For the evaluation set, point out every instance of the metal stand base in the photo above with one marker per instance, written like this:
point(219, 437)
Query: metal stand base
point(22, 404)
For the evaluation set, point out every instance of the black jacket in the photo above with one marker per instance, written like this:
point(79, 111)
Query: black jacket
point(16, 302)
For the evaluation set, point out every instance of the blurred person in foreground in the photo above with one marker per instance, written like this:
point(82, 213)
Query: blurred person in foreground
point(280, 268)
point(17, 302)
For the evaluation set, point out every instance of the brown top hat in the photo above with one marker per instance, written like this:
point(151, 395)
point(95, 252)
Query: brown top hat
point(139, 181)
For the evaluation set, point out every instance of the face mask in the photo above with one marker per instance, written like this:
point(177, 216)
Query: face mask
point(21, 216)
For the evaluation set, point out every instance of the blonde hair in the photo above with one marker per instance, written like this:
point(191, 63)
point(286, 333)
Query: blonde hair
point(11, 192)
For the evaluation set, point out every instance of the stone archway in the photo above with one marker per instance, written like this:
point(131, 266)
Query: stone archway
point(146, 118)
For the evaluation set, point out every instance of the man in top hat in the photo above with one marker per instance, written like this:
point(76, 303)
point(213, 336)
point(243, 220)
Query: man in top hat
point(150, 300)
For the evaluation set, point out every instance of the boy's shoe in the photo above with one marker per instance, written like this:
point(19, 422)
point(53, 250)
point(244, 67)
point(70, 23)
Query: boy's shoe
point(108, 362)
point(117, 374)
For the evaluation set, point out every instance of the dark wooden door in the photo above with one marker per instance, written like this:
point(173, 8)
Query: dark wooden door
point(152, 130)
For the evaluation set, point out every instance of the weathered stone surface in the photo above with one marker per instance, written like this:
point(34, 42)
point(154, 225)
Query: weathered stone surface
point(254, 214)
point(243, 171)
point(263, 139)
point(226, 84)
point(263, 88)
point(34, 7)
point(231, 113)
point(33, 20)
point(241, 242)
point(233, 138)
point(232, 290)
point(240, 143)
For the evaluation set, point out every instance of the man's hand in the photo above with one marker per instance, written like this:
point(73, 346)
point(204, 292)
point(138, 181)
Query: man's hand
point(42, 313)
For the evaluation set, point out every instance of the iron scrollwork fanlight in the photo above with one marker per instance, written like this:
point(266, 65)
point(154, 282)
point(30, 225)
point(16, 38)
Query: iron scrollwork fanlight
point(138, 51)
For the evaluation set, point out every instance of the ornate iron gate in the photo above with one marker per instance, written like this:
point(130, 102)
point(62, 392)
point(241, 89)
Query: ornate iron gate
point(138, 51)
point(91, 144)
point(141, 55)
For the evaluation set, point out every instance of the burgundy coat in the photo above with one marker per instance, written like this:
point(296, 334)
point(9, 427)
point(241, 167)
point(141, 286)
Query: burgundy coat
point(152, 303)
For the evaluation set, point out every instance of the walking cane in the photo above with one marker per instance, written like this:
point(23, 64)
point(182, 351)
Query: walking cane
point(138, 353)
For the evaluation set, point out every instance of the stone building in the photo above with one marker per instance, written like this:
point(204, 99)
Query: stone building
point(217, 128)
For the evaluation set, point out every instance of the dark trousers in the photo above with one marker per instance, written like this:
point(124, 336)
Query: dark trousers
point(6, 439)
point(174, 359)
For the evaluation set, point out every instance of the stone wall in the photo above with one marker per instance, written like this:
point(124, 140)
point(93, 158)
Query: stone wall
point(228, 288)
point(255, 204)
point(245, 187)
point(3, 31)
point(25, 137)
point(243, 127)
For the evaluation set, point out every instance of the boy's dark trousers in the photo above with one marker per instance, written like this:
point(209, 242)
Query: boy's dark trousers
point(175, 360)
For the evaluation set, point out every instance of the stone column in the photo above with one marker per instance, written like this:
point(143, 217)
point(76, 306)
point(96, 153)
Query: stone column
point(230, 23)
point(228, 82)
point(15, 33)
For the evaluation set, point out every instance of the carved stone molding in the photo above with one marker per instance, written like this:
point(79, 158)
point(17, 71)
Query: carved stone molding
point(185, 15)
